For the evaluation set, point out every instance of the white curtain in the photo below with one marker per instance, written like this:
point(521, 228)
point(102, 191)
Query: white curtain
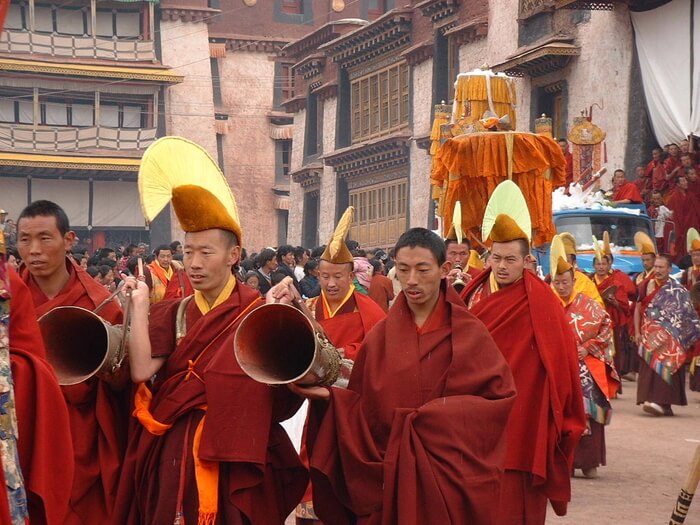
point(104, 23)
point(7, 110)
point(132, 117)
point(82, 114)
point(664, 38)
point(109, 115)
point(71, 195)
point(43, 19)
point(56, 114)
point(116, 204)
point(13, 195)
point(14, 17)
point(26, 111)
point(70, 22)
point(128, 24)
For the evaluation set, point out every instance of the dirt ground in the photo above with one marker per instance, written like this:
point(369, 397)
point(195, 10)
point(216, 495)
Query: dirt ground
point(647, 462)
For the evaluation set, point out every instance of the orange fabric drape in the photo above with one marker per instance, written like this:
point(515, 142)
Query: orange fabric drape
point(468, 169)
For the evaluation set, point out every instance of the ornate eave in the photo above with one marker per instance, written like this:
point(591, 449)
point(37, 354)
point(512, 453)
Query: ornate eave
point(259, 44)
point(189, 14)
point(159, 74)
point(322, 35)
point(391, 31)
point(439, 10)
point(327, 90)
point(70, 166)
point(310, 67)
point(467, 32)
point(309, 177)
point(539, 60)
point(370, 157)
point(414, 55)
point(294, 105)
point(423, 142)
point(634, 5)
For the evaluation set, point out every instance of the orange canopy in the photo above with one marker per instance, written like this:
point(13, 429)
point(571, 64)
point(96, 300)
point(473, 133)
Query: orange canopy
point(468, 168)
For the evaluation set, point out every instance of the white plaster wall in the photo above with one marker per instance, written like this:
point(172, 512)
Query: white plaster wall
point(601, 77)
point(327, 203)
point(419, 160)
point(189, 106)
point(247, 88)
point(296, 193)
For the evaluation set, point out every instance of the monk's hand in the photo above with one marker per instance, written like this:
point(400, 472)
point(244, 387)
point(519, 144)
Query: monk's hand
point(453, 275)
point(138, 291)
point(283, 292)
point(312, 393)
point(582, 353)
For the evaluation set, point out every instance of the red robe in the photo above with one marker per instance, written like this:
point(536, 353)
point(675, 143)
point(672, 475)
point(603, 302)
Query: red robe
point(418, 435)
point(98, 414)
point(260, 475)
point(349, 326)
point(628, 191)
point(44, 444)
point(617, 290)
point(686, 214)
point(656, 171)
point(381, 291)
point(529, 326)
point(179, 286)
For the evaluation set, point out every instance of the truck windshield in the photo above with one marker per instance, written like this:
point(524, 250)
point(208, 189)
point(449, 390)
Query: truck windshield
point(620, 229)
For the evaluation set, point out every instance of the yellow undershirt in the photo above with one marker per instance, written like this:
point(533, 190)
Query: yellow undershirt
point(203, 304)
point(331, 313)
point(168, 272)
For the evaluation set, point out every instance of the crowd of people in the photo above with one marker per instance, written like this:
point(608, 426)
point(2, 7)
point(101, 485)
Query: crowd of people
point(429, 429)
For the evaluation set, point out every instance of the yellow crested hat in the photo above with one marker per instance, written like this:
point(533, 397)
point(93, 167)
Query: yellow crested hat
point(607, 249)
point(599, 254)
point(557, 257)
point(644, 243)
point(475, 261)
point(506, 217)
point(174, 169)
point(455, 233)
point(692, 240)
point(336, 250)
point(569, 242)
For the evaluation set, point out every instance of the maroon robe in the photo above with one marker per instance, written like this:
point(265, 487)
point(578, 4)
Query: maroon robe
point(418, 435)
point(260, 475)
point(686, 215)
point(44, 444)
point(529, 326)
point(98, 413)
point(628, 191)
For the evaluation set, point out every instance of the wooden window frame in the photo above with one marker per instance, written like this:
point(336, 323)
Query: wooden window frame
point(380, 213)
point(379, 102)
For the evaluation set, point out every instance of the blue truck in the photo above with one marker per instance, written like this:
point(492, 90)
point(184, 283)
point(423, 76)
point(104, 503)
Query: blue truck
point(620, 223)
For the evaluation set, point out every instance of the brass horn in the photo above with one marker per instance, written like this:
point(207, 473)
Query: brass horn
point(80, 344)
point(277, 344)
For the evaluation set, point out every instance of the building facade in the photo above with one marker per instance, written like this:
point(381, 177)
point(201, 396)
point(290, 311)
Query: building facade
point(364, 99)
point(81, 95)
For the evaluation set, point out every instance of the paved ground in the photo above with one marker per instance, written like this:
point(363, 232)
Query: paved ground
point(648, 460)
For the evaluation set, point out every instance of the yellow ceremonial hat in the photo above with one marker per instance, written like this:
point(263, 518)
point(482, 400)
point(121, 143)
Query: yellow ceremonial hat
point(174, 169)
point(597, 249)
point(506, 217)
point(557, 257)
point(455, 233)
point(692, 240)
point(569, 243)
point(607, 249)
point(337, 251)
point(644, 243)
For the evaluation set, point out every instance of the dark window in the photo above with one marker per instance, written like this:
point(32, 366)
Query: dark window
point(220, 151)
point(293, 7)
point(551, 100)
point(310, 219)
point(284, 83)
point(216, 81)
point(294, 11)
point(313, 140)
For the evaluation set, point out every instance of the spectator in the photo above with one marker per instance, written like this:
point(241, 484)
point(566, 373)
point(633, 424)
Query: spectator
point(310, 286)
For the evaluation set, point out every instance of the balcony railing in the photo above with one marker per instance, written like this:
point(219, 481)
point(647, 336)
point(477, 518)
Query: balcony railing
point(45, 139)
point(76, 46)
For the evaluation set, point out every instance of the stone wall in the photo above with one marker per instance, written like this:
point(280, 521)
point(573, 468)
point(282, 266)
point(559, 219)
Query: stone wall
point(419, 179)
point(296, 192)
point(327, 204)
point(189, 106)
point(249, 152)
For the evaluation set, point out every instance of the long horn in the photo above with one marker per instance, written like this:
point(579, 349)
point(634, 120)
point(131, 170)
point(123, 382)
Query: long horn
point(80, 344)
point(278, 344)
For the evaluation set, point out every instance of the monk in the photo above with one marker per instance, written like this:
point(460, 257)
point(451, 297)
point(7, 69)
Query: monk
point(691, 280)
point(618, 292)
point(44, 444)
point(624, 192)
point(162, 272)
point(207, 448)
point(98, 412)
point(458, 254)
point(418, 435)
point(528, 324)
point(345, 314)
point(582, 283)
point(666, 327)
point(592, 328)
point(656, 171)
point(686, 214)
